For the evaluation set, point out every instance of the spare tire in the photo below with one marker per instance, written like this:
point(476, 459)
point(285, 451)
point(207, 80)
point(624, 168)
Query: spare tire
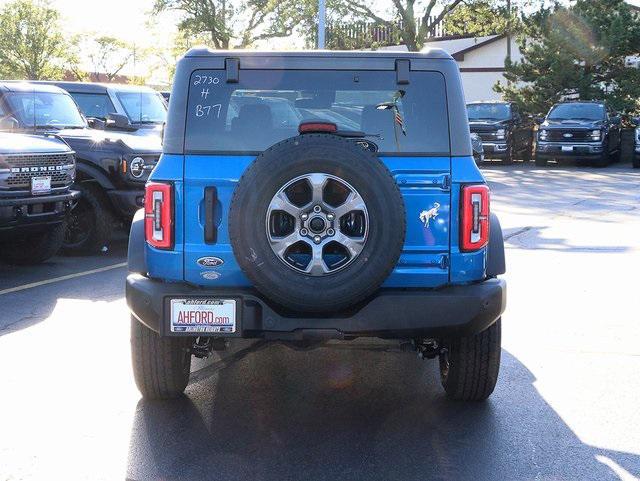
point(317, 223)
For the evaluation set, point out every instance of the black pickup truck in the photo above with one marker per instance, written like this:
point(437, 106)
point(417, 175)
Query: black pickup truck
point(113, 163)
point(583, 131)
point(506, 134)
point(36, 174)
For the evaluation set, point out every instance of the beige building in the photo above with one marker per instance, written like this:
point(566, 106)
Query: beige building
point(481, 62)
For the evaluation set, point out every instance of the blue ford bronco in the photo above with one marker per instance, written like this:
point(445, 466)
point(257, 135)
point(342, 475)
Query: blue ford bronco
point(312, 196)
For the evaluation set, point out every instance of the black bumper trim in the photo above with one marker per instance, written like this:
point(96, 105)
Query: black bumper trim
point(126, 201)
point(392, 313)
point(40, 199)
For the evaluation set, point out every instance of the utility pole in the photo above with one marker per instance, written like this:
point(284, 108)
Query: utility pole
point(322, 14)
point(509, 30)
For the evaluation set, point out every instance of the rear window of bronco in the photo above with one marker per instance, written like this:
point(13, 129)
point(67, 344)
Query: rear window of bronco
point(267, 106)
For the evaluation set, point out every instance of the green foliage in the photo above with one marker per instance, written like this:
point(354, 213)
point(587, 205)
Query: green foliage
point(237, 23)
point(478, 18)
point(109, 55)
point(576, 52)
point(32, 45)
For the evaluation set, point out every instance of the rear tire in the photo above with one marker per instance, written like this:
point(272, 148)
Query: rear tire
point(34, 248)
point(90, 222)
point(469, 368)
point(161, 365)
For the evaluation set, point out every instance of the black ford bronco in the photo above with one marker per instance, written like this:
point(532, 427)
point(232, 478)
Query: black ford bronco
point(583, 131)
point(113, 164)
point(36, 174)
point(311, 196)
point(506, 134)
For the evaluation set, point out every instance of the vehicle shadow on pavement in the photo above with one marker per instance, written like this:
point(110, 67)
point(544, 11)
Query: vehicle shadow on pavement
point(342, 414)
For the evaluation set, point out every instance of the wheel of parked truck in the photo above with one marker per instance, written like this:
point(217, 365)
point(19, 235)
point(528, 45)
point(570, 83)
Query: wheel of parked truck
point(90, 222)
point(33, 248)
point(469, 365)
point(541, 162)
point(317, 223)
point(161, 365)
point(508, 159)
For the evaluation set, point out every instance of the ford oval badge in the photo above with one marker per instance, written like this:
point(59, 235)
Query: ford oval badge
point(210, 261)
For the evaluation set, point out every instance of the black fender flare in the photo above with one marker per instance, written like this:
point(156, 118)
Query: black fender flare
point(87, 170)
point(496, 264)
point(137, 263)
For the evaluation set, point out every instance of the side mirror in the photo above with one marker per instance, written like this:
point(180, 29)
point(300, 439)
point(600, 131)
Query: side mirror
point(96, 123)
point(538, 120)
point(9, 123)
point(119, 122)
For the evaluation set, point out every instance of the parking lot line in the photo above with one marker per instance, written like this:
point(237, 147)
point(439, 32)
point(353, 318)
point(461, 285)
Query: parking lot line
point(62, 278)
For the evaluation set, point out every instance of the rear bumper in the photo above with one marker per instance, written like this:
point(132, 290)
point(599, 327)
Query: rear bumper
point(34, 212)
point(392, 313)
point(127, 202)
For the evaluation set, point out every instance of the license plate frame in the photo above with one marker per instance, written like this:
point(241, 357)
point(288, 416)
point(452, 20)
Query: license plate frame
point(203, 316)
point(41, 185)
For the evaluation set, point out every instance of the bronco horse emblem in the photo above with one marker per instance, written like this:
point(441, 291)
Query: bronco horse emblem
point(427, 215)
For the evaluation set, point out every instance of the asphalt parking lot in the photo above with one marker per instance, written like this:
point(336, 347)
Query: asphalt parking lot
point(566, 404)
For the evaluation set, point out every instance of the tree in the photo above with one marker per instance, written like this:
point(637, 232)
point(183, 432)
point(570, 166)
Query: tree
point(236, 23)
point(73, 62)
point(32, 45)
point(412, 21)
point(109, 55)
point(576, 51)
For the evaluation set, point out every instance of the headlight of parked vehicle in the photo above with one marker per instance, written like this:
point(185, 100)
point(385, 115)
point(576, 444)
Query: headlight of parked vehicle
point(596, 135)
point(542, 135)
point(500, 134)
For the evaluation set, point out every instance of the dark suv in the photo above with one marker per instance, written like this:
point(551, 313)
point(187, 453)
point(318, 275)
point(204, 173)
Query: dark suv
point(579, 131)
point(142, 108)
point(36, 174)
point(505, 133)
point(112, 164)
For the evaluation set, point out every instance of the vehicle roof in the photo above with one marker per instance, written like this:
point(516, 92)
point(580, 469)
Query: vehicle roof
point(96, 87)
point(476, 102)
point(598, 102)
point(21, 86)
point(433, 53)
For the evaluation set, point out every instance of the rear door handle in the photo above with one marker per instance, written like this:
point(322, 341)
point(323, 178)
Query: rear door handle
point(210, 228)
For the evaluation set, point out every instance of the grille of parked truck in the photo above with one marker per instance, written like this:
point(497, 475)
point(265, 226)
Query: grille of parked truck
point(113, 163)
point(303, 197)
point(582, 131)
point(36, 174)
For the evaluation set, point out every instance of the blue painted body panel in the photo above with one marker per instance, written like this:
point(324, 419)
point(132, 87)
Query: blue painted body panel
point(430, 257)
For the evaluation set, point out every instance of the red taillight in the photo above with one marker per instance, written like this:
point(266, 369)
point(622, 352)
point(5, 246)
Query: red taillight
point(158, 213)
point(474, 219)
point(312, 127)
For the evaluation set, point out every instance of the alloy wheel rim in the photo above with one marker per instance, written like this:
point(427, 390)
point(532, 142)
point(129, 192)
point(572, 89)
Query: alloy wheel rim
point(317, 224)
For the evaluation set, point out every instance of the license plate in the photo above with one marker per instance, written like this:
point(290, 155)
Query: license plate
point(203, 315)
point(567, 148)
point(40, 185)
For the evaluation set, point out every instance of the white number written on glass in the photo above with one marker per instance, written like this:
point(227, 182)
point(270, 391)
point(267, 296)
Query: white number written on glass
point(206, 110)
point(205, 80)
